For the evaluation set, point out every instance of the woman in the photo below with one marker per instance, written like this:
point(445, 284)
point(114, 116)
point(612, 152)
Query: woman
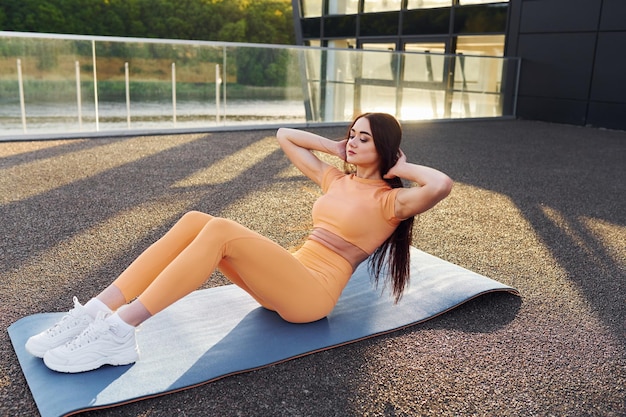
point(361, 213)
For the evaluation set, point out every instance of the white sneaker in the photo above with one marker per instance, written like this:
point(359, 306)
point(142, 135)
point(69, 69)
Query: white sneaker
point(71, 325)
point(96, 346)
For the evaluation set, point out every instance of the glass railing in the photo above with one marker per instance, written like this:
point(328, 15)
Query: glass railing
point(68, 85)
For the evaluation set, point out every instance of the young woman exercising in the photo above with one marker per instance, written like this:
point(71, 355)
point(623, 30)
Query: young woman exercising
point(361, 213)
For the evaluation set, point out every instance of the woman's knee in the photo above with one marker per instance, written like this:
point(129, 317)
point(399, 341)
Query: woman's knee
point(195, 216)
point(219, 225)
point(193, 221)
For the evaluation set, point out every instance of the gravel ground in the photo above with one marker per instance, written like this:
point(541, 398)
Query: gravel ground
point(537, 206)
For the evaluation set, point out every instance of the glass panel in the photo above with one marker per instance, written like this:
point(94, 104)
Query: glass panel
point(343, 7)
point(311, 28)
point(426, 22)
point(381, 6)
point(379, 24)
point(267, 87)
point(152, 93)
point(340, 87)
point(255, 84)
point(379, 66)
point(468, 105)
point(311, 8)
point(480, 19)
point(378, 99)
point(433, 47)
point(57, 75)
point(340, 62)
point(342, 43)
point(477, 84)
point(422, 104)
point(491, 45)
point(426, 66)
point(427, 4)
point(340, 26)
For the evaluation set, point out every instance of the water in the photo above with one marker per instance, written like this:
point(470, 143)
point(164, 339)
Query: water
point(59, 118)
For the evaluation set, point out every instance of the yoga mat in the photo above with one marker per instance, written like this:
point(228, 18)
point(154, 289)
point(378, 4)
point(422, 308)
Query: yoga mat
point(222, 331)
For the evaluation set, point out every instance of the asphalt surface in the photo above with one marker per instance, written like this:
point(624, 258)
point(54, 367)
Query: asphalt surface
point(538, 206)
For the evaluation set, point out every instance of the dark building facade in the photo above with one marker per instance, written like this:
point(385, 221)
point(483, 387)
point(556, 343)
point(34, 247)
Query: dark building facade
point(573, 51)
point(573, 60)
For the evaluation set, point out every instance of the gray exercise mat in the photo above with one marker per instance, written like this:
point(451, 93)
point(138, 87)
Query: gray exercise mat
point(222, 331)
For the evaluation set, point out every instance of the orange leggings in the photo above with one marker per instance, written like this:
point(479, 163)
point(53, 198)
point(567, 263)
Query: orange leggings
point(301, 287)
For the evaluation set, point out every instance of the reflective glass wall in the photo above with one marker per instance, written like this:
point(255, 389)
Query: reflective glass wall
point(418, 85)
point(77, 86)
point(441, 52)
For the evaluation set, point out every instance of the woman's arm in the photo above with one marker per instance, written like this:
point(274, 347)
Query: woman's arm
point(298, 146)
point(432, 187)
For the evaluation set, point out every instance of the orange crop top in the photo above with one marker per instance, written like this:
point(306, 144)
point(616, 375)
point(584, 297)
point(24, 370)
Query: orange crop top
point(360, 211)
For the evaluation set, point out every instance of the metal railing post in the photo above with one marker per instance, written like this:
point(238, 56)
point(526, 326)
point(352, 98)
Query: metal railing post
point(218, 83)
point(174, 92)
point(79, 103)
point(95, 83)
point(20, 81)
point(127, 81)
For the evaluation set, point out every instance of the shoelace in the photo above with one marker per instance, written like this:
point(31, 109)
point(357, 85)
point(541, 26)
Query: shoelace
point(68, 321)
point(92, 333)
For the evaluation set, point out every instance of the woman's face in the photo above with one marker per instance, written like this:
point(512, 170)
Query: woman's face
point(360, 149)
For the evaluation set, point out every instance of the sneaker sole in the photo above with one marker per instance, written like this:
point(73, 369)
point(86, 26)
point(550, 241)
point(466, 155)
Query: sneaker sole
point(73, 368)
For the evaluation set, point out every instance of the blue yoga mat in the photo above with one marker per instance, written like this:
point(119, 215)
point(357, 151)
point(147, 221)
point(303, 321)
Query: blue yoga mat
point(222, 331)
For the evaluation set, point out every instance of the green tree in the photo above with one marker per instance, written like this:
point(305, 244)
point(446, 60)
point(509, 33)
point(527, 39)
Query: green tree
point(268, 21)
point(265, 22)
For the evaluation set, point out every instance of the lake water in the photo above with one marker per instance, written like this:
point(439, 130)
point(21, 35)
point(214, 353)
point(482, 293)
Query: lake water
point(55, 118)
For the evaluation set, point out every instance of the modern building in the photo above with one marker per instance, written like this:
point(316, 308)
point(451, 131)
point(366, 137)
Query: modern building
point(572, 51)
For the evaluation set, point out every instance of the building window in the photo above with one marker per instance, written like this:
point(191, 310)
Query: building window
point(426, 22)
point(491, 45)
point(481, 18)
point(343, 7)
point(311, 27)
point(340, 26)
point(370, 6)
point(427, 4)
point(311, 8)
point(379, 24)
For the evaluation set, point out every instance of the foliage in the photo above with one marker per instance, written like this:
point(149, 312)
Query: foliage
point(265, 22)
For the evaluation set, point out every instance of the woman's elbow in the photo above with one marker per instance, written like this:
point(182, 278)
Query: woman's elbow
point(282, 136)
point(445, 187)
point(280, 133)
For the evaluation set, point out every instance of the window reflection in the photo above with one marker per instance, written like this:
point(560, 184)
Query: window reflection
point(478, 77)
point(343, 7)
point(426, 22)
point(428, 65)
point(427, 4)
point(311, 27)
point(380, 24)
point(380, 66)
point(481, 18)
point(481, 45)
point(370, 6)
point(340, 26)
point(311, 8)
point(341, 67)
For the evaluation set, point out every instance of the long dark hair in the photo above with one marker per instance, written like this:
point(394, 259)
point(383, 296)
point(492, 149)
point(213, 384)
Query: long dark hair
point(392, 257)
